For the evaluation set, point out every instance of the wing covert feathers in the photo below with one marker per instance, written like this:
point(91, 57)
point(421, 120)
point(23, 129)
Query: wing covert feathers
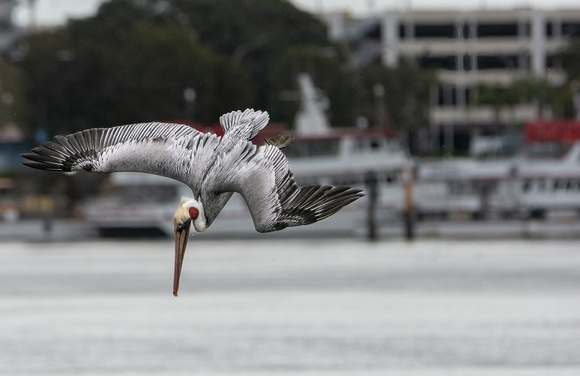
point(143, 147)
point(245, 125)
point(281, 203)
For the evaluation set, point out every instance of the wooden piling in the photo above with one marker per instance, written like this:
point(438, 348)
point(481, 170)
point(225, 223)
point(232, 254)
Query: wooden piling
point(408, 213)
point(372, 193)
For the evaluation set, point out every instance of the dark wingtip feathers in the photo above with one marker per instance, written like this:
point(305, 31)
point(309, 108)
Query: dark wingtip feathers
point(40, 166)
point(314, 203)
point(333, 199)
point(56, 155)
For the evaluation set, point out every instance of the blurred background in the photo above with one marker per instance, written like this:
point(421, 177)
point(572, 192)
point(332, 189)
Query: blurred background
point(443, 115)
point(460, 122)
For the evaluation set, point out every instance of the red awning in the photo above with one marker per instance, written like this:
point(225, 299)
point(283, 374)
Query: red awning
point(562, 131)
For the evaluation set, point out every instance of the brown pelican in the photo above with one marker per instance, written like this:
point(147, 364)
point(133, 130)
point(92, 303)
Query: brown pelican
point(213, 167)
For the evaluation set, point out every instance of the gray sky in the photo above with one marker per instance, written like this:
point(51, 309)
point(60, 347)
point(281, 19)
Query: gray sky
point(54, 12)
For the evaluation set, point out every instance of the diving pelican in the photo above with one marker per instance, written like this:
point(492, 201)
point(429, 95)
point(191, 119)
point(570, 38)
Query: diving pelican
point(213, 167)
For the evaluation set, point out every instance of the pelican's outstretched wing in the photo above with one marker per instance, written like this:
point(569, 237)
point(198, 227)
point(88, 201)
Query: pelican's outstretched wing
point(262, 177)
point(157, 148)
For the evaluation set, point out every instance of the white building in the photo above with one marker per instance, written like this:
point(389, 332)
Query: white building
point(468, 49)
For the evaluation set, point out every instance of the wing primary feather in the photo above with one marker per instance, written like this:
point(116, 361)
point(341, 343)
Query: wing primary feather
point(314, 203)
point(56, 147)
point(39, 158)
point(64, 144)
point(48, 153)
point(73, 142)
point(42, 166)
point(79, 140)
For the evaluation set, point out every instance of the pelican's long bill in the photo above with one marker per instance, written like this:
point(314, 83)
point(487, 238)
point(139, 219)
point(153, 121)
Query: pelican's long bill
point(181, 236)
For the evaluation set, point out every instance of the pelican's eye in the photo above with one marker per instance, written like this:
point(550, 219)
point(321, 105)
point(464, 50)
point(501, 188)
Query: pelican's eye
point(181, 225)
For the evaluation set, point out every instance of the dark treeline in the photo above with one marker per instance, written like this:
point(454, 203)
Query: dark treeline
point(134, 59)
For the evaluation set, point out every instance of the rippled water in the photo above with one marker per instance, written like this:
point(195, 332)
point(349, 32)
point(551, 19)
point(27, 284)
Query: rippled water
point(286, 307)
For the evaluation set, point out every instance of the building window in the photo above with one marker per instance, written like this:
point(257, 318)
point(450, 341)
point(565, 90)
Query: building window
point(469, 62)
point(524, 29)
point(527, 185)
point(553, 61)
point(373, 32)
point(448, 95)
point(541, 184)
point(438, 62)
point(434, 31)
point(497, 30)
point(570, 28)
point(471, 94)
point(402, 32)
point(523, 61)
point(498, 62)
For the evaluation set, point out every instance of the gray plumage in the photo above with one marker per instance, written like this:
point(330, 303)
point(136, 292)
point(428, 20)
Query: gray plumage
point(213, 168)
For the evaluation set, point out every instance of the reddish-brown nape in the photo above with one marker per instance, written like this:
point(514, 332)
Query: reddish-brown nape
point(193, 213)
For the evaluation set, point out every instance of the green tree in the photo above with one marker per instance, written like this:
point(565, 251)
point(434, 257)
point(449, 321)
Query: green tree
point(44, 80)
point(496, 97)
point(133, 59)
point(528, 89)
point(544, 93)
point(159, 62)
point(77, 80)
point(405, 94)
point(253, 33)
point(569, 58)
point(226, 25)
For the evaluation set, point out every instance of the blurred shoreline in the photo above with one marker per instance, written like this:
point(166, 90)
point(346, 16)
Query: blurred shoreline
point(63, 230)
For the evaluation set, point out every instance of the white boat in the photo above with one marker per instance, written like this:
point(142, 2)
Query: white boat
point(529, 185)
point(135, 204)
point(546, 186)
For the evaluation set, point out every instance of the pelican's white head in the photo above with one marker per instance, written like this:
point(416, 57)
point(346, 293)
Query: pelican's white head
point(188, 211)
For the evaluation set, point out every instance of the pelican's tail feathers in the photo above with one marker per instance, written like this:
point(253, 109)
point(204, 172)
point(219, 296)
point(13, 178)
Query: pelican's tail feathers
point(246, 124)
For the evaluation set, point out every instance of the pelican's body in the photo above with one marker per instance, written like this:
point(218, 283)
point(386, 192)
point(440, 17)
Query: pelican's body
point(213, 168)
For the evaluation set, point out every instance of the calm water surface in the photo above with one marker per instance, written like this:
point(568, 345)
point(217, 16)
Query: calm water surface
point(283, 307)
